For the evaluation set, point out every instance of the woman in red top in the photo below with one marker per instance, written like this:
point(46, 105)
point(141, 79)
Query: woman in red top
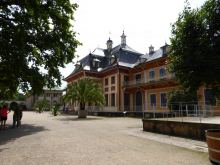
point(4, 115)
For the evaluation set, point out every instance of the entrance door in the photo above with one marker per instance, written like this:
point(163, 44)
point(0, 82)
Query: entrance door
point(138, 101)
point(126, 101)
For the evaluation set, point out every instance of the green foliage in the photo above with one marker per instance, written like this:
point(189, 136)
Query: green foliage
point(195, 52)
point(175, 98)
point(19, 97)
point(2, 103)
point(41, 105)
point(34, 34)
point(181, 96)
point(55, 109)
point(84, 91)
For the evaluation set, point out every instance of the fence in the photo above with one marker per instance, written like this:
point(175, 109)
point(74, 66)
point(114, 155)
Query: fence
point(184, 111)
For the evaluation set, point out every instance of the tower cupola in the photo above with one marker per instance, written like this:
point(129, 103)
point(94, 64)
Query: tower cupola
point(151, 49)
point(109, 44)
point(123, 40)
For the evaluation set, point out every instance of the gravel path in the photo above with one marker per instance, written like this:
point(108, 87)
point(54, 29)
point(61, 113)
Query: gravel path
point(65, 140)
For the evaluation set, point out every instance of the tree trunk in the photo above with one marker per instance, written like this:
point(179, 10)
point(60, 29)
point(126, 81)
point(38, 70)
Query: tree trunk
point(82, 106)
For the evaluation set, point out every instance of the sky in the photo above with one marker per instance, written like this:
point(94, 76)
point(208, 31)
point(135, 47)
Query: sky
point(145, 23)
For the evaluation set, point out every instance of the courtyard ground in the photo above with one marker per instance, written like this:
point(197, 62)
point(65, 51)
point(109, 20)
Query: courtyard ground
point(65, 140)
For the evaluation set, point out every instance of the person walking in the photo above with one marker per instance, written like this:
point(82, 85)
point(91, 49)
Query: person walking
point(4, 116)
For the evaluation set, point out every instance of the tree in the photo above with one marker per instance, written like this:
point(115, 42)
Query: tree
point(195, 47)
point(180, 97)
point(85, 91)
point(33, 35)
point(42, 105)
point(19, 96)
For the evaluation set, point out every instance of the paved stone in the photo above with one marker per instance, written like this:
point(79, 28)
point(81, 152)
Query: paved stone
point(65, 140)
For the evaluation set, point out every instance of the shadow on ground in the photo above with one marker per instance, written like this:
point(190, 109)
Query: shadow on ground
point(10, 134)
point(75, 118)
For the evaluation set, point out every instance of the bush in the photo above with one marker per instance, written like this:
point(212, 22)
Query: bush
point(55, 109)
point(175, 98)
point(41, 105)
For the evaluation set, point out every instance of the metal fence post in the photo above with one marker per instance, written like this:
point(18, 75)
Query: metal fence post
point(181, 110)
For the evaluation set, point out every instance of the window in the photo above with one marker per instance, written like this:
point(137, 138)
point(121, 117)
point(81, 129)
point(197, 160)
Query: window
point(113, 80)
point(106, 81)
point(210, 99)
point(106, 99)
point(162, 72)
point(113, 99)
point(153, 99)
point(151, 74)
point(126, 79)
point(163, 99)
point(113, 88)
point(96, 63)
point(138, 78)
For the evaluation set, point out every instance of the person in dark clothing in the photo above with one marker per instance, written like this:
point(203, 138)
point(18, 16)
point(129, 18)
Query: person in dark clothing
point(17, 114)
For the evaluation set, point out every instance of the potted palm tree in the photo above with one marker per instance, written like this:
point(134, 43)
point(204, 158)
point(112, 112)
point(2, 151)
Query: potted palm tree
point(85, 91)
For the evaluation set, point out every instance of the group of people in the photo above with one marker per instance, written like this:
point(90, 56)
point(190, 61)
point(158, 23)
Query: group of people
point(17, 115)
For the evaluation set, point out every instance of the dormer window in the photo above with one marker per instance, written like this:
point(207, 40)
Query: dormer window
point(165, 49)
point(78, 64)
point(96, 63)
point(112, 59)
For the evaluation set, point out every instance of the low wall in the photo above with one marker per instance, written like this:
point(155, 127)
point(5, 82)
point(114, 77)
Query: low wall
point(116, 114)
point(181, 129)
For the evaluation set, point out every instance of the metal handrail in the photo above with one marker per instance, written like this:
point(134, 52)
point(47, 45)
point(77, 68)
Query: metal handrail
point(145, 81)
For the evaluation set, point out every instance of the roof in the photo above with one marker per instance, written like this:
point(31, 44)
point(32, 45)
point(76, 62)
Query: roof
point(125, 47)
point(99, 52)
point(161, 52)
point(52, 89)
point(157, 54)
point(102, 59)
point(125, 56)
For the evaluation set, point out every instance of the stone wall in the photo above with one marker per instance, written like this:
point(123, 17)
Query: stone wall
point(181, 129)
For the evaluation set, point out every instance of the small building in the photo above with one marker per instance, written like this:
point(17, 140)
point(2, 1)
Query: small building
point(52, 95)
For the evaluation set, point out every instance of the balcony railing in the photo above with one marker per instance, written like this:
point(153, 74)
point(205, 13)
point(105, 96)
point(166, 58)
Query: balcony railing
point(139, 82)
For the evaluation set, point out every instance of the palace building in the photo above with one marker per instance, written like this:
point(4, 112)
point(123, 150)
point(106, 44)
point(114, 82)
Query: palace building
point(131, 81)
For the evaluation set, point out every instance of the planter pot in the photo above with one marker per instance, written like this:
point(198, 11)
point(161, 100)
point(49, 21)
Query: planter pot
point(213, 141)
point(82, 114)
